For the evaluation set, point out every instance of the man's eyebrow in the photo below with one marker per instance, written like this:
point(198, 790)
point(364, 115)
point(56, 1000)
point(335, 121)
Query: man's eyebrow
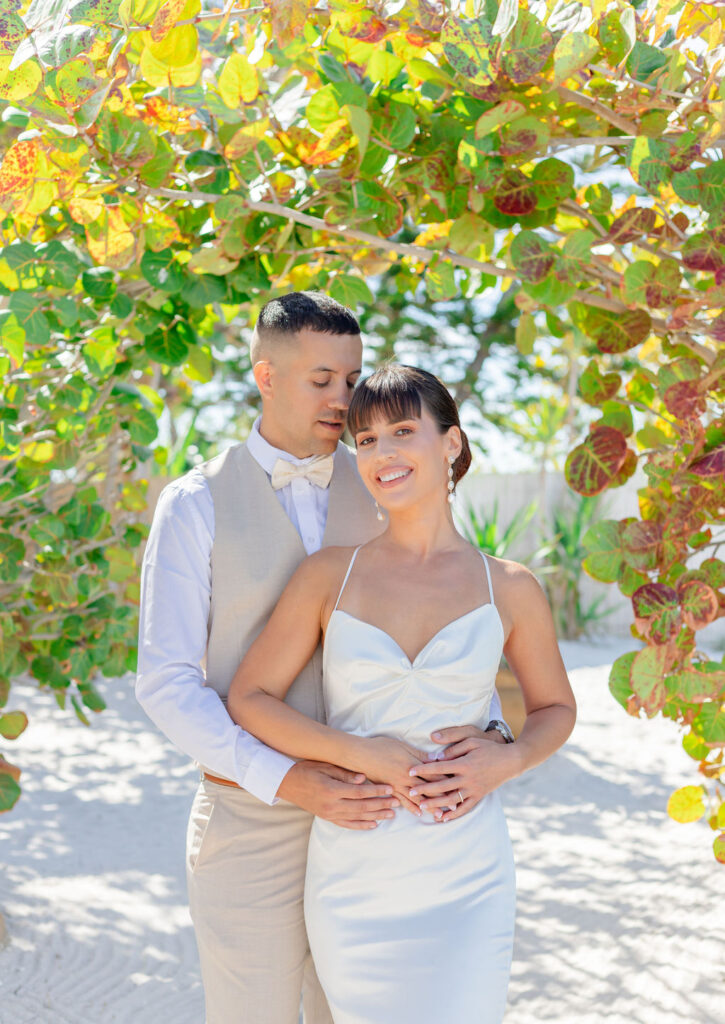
point(327, 369)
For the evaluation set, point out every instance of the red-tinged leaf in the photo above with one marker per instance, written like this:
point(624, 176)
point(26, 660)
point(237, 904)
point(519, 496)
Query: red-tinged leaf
point(687, 804)
point(617, 332)
point(694, 687)
point(632, 224)
point(6, 768)
point(685, 400)
point(467, 47)
point(647, 679)
point(370, 28)
point(649, 162)
point(710, 465)
point(716, 329)
point(699, 603)
point(166, 18)
point(527, 48)
point(596, 387)
point(522, 136)
point(641, 541)
point(514, 195)
point(531, 256)
point(592, 465)
point(627, 469)
point(657, 611)
point(703, 252)
point(288, 19)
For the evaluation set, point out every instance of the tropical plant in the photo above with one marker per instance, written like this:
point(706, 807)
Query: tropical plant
point(167, 167)
point(484, 530)
point(562, 575)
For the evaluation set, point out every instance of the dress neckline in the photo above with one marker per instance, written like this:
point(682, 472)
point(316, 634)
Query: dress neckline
point(424, 648)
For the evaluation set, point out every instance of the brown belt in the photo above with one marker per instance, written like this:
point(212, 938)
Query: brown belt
point(219, 781)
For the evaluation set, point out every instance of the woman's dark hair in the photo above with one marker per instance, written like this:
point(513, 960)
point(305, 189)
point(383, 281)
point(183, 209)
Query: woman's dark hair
point(398, 392)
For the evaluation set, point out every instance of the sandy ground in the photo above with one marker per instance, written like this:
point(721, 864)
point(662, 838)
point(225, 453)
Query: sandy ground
point(618, 907)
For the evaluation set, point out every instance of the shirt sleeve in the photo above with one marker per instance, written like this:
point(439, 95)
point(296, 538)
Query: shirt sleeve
point(173, 637)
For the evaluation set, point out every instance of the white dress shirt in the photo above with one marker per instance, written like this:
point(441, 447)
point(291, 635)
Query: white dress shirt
point(174, 612)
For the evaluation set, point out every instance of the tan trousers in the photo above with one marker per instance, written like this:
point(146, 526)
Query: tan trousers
point(245, 870)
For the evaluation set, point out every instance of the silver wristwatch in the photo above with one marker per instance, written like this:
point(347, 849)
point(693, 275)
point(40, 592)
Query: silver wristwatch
point(501, 727)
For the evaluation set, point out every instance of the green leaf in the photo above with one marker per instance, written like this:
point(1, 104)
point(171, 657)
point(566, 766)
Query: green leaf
point(527, 48)
point(617, 34)
point(12, 723)
point(710, 723)
point(162, 271)
point(576, 256)
point(143, 427)
point(401, 125)
point(525, 334)
point(592, 465)
point(9, 792)
point(99, 283)
point(644, 60)
point(603, 542)
point(166, 346)
point(649, 162)
point(619, 679)
point(360, 122)
point(502, 113)
point(204, 289)
point(440, 281)
point(29, 315)
point(351, 291)
point(573, 51)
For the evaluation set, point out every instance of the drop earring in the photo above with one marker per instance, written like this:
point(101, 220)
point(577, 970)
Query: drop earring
point(379, 514)
point(451, 485)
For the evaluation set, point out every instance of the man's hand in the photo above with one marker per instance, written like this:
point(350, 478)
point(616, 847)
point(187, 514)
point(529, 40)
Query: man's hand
point(471, 767)
point(447, 737)
point(337, 795)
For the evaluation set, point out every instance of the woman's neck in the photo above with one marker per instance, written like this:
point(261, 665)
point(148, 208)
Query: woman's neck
point(423, 531)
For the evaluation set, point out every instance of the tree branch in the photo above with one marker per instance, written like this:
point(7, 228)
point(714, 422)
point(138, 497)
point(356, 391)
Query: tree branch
point(582, 100)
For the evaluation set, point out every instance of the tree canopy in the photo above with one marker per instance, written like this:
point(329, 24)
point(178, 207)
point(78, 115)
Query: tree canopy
point(169, 165)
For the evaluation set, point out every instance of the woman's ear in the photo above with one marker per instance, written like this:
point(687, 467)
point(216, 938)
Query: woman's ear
point(455, 442)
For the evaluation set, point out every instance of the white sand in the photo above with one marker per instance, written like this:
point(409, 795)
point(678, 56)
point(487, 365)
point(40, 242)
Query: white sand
point(618, 907)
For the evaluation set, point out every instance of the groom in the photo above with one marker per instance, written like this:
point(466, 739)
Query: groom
point(225, 539)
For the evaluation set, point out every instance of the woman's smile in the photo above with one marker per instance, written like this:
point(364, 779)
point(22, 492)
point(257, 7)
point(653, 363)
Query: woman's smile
point(392, 476)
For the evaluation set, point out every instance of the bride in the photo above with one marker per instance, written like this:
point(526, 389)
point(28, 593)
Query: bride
point(414, 923)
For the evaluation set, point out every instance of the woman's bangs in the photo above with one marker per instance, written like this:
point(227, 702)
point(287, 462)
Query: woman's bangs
point(386, 399)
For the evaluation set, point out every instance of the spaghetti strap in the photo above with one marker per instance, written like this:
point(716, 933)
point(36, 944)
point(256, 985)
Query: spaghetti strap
point(488, 577)
point(349, 570)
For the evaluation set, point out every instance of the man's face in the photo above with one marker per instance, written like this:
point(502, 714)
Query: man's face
point(310, 382)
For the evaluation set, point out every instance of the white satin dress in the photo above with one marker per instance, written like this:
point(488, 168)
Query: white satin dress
point(412, 922)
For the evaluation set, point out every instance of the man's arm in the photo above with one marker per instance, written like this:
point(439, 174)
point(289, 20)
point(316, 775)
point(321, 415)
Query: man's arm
point(175, 602)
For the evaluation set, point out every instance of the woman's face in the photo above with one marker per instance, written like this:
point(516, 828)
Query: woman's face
point(406, 462)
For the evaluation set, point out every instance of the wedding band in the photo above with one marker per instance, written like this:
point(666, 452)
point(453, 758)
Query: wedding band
point(460, 795)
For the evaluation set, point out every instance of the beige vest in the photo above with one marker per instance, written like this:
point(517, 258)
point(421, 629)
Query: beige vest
point(257, 549)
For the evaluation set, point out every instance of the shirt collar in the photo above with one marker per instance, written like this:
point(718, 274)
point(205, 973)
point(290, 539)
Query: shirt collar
point(266, 454)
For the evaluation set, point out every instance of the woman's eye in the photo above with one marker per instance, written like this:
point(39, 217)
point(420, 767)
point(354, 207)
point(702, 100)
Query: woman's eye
point(364, 441)
point(320, 384)
point(403, 430)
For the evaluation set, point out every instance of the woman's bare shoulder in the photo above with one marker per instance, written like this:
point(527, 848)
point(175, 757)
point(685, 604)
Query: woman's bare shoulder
point(512, 579)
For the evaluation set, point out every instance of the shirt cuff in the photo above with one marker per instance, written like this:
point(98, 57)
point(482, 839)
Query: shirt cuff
point(264, 775)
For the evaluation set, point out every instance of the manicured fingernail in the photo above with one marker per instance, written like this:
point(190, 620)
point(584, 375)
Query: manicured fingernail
point(422, 805)
point(414, 792)
point(388, 790)
point(413, 771)
point(437, 736)
point(438, 815)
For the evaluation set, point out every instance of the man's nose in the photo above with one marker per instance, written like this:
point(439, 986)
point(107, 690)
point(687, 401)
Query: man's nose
point(341, 399)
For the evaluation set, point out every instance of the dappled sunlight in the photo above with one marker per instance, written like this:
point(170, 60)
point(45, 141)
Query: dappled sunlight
point(617, 903)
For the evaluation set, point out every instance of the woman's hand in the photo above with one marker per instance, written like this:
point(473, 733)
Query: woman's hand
point(386, 760)
point(471, 770)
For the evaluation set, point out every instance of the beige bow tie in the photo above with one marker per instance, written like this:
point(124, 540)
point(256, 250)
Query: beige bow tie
point(318, 471)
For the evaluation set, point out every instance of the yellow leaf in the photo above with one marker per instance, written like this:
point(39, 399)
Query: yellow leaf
point(110, 240)
point(17, 174)
point(211, 261)
point(21, 82)
point(686, 804)
point(39, 451)
point(238, 81)
point(177, 48)
point(159, 74)
point(85, 210)
point(167, 17)
point(433, 234)
point(138, 12)
point(160, 230)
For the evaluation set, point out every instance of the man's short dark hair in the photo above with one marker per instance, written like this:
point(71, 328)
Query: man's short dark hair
point(289, 314)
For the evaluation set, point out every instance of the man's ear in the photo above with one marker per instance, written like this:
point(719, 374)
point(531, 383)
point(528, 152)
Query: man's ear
point(263, 373)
